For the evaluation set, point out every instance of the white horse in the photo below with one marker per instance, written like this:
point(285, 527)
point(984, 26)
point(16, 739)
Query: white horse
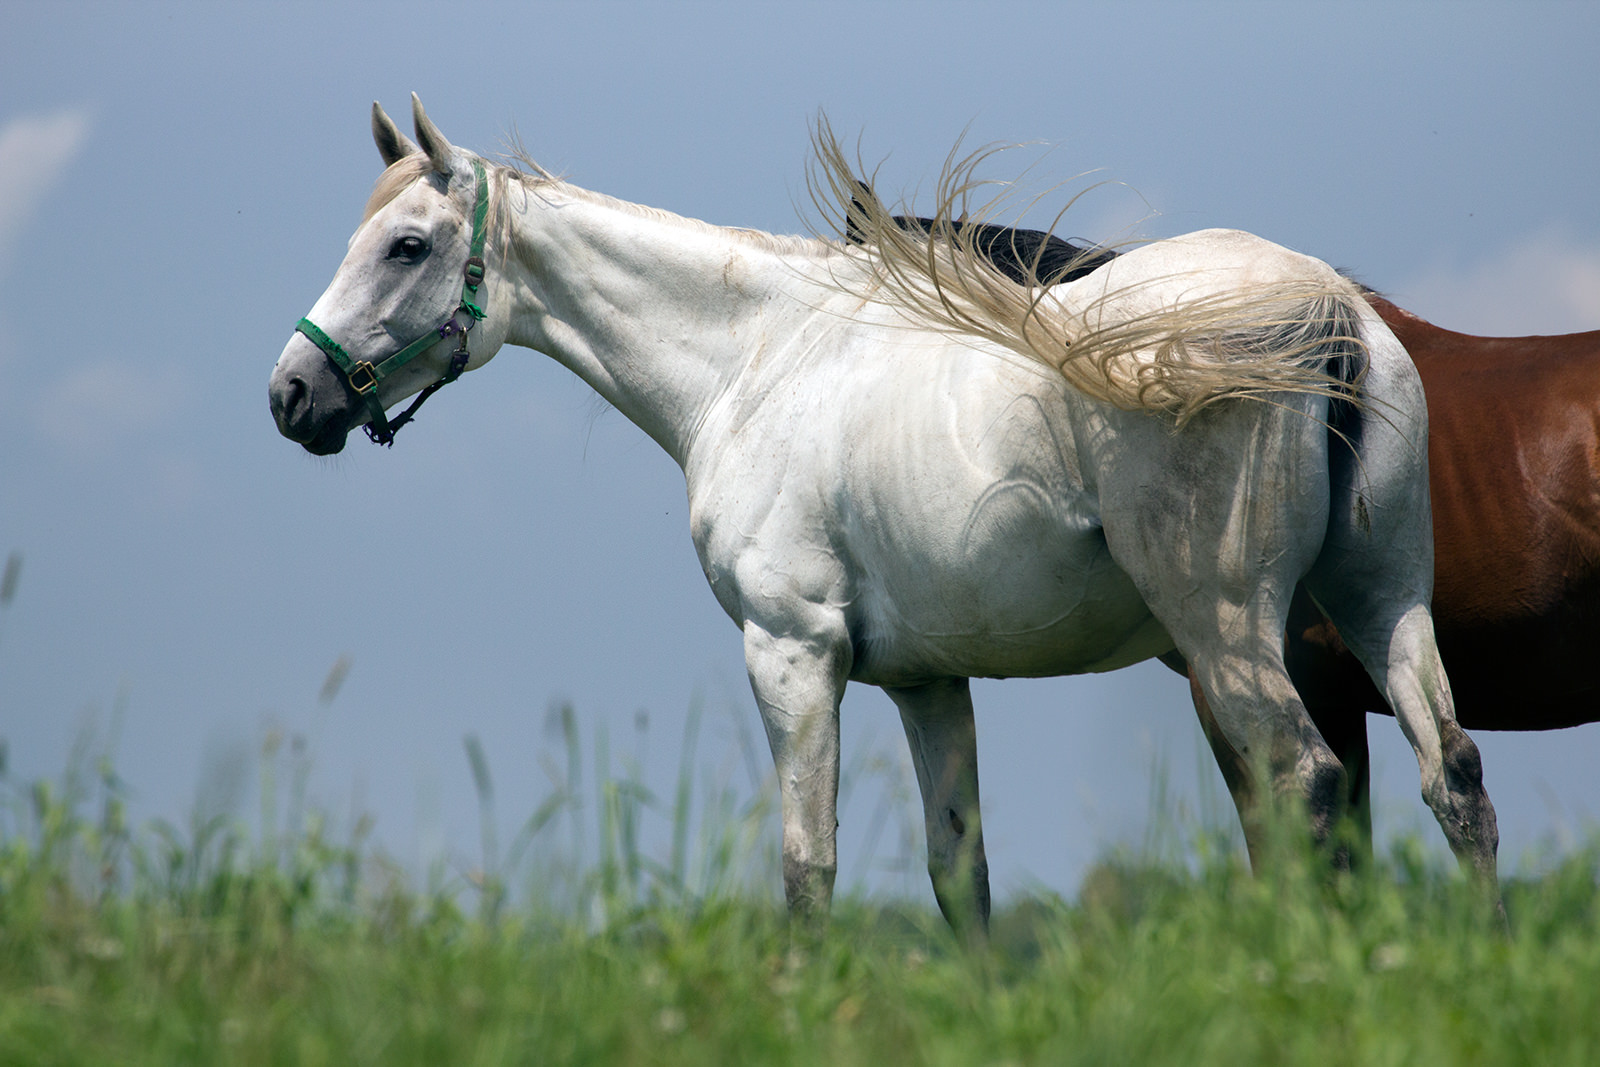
point(906, 470)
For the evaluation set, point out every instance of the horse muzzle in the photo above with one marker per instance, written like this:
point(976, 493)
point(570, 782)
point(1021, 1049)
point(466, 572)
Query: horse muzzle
point(310, 405)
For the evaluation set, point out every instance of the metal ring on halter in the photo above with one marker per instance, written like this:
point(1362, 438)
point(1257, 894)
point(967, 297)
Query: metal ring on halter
point(372, 377)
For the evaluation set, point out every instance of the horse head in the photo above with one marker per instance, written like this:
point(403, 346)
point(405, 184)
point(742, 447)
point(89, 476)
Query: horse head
point(395, 319)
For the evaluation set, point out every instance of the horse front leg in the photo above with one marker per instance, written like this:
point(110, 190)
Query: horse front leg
point(944, 749)
point(798, 683)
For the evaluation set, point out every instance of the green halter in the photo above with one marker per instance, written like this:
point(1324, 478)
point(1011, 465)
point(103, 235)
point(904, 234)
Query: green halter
point(364, 376)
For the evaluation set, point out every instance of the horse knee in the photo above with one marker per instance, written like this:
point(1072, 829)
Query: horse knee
point(958, 868)
point(953, 842)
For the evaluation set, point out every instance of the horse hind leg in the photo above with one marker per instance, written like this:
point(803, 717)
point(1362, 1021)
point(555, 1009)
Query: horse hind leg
point(1349, 747)
point(1404, 663)
point(1374, 580)
point(1337, 694)
point(1262, 736)
point(1215, 552)
point(1228, 623)
point(944, 750)
point(1313, 781)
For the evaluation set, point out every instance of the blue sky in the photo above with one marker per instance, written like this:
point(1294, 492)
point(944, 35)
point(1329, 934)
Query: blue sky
point(177, 182)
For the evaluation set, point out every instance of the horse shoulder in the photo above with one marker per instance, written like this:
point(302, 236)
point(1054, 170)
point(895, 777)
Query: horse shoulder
point(762, 478)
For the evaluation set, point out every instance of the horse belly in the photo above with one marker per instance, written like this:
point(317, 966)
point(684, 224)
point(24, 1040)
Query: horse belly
point(1022, 590)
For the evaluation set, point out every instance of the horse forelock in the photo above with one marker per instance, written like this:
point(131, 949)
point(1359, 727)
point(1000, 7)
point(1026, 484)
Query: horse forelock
point(396, 179)
point(407, 171)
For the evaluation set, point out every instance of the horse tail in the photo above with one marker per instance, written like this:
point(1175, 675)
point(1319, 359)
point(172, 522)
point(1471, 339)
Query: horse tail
point(1299, 337)
point(1133, 346)
point(1345, 352)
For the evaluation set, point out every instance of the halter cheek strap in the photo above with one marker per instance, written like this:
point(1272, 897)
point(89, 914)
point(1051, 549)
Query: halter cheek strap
point(364, 376)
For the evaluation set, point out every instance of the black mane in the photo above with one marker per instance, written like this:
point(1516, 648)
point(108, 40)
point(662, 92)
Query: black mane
point(1013, 251)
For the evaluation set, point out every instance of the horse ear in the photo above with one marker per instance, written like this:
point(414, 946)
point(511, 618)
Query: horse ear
point(432, 141)
point(393, 145)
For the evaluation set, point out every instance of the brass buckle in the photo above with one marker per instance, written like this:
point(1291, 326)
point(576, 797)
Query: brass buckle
point(370, 371)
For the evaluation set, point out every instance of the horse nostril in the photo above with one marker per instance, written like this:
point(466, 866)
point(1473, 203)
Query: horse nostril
point(290, 402)
point(297, 395)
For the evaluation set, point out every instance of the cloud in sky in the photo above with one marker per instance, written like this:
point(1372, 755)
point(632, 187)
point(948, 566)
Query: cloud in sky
point(108, 402)
point(34, 150)
point(1544, 283)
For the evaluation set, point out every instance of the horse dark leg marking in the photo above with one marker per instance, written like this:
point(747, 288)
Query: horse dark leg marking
point(1326, 794)
point(1477, 834)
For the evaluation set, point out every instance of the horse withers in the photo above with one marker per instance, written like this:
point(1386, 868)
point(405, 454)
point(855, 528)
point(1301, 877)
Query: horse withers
point(899, 474)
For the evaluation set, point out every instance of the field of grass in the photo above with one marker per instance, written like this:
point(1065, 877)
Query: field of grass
point(216, 944)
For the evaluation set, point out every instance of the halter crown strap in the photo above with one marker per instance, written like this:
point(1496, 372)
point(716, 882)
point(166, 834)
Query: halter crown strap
point(364, 376)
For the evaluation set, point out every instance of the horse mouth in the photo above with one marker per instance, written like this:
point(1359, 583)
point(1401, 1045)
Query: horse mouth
point(328, 441)
point(297, 426)
point(323, 440)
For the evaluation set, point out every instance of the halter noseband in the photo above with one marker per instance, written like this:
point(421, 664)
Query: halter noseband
point(364, 376)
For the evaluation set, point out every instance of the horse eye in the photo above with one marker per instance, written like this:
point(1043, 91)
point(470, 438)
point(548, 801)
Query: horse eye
point(407, 248)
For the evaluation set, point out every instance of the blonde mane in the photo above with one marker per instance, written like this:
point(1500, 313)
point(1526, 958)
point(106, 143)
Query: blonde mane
point(523, 172)
point(1294, 337)
point(526, 171)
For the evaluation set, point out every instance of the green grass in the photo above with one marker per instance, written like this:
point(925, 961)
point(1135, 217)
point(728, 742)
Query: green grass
point(208, 945)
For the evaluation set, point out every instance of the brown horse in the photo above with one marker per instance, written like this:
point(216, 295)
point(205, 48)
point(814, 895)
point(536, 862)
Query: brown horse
point(1514, 461)
point(1514, 457)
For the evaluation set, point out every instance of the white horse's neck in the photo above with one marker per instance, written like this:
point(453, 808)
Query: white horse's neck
point(659, 314)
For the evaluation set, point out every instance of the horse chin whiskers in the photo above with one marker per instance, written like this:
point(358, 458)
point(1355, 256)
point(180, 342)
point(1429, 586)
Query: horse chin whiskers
point(328, 441)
